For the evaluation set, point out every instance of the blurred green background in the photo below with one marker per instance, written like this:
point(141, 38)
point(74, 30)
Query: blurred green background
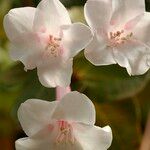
point(121, 101)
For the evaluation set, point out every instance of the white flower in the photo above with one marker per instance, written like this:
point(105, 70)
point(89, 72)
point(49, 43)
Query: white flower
point(44, 37)
point(122, 34)
point(67, 124)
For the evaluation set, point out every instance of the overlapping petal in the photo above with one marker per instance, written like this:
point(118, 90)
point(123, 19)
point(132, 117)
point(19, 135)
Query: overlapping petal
point(133, 56)
point(75, 38)
point(68, 109)
point(98, 52)
point(26, 51)
point(141, 31)
point(50, 15)
point(35, 114)
point(94, 138)
point(125, 10)
point(98, 13)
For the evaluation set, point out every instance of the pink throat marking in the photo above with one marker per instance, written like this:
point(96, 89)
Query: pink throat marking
point(118, 37)
point(65, 133)
point(53, 46)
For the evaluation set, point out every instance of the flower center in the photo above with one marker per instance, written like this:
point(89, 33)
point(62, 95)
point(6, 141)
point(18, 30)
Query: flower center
point(65, 134)
point(53, 46)
point(119, 37)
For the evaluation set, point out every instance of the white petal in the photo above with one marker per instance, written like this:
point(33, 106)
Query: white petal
point(98, 13)
point(134, 57)
point(93, 137)
point(27, 144)
point(142, 30)
point(125, 10)
point(75, 38)
point(18, 21)
point(34, 144)
point(50, 15)
point(27, 48)
point(75, 107)
point(35, 114)
point(57, 74)
point(98, 53)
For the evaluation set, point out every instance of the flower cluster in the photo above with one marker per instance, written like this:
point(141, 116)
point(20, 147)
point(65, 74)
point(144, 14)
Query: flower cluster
point(44, 38)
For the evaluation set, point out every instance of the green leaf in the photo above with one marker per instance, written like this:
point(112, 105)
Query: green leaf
point(105, 83)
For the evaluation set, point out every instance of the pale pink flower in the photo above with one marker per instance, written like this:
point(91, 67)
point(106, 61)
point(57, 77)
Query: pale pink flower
point(122, 34)
point(67, 124)
point(44, 38)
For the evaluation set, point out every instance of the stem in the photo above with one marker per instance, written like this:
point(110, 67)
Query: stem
point(61, 91)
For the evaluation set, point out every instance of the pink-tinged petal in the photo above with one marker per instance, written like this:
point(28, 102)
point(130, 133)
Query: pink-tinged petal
point(61, 91)
point(50, 15)
point(125, 10)
point(18, 21)
point(130, 25)
point(133, 56)
point(98, 52)
point(75, 38)
point(35, 114)
point(142, 30)
point(27, 48)
point(75, 107)
point(98, 13)
point(55, 74)
point(93, 137)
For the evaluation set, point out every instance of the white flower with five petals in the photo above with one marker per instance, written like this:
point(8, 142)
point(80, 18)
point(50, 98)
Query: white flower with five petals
point(44, 38)
point(122, 34)
point(67, 124)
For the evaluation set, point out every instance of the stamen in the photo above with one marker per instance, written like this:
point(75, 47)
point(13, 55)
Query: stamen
point(53, 46)
point(118, 37)
point(65, 134)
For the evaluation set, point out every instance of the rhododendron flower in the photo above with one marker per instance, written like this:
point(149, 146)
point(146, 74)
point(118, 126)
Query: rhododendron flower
point(67, 124)
point(44, 37)
point(122, 34)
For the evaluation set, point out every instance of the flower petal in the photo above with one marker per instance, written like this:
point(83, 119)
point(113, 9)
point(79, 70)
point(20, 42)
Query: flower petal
point(98, 13)
point(142, 30)
point(56, 74)
point(75, 38)
point(35, 114)
point(18, 21)
point(134, 57)
point(40, 144)
point(28, 144)
point(50, 15)
point(125, 10)
point(75, 107)
point(93, 137)
point(98, 53)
